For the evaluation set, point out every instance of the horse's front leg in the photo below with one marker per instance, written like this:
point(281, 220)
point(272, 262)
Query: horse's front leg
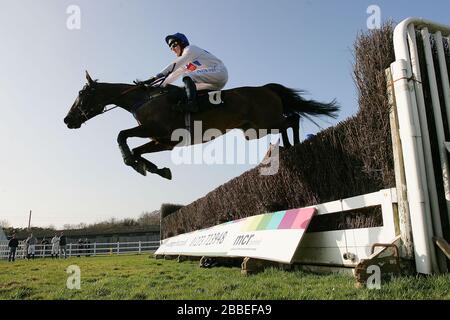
point(127, 155)
point(153, 146)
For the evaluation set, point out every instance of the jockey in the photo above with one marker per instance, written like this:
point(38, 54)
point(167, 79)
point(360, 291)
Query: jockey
point(200, 70)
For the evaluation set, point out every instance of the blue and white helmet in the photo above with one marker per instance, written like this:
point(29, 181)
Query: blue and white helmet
point(181, 38)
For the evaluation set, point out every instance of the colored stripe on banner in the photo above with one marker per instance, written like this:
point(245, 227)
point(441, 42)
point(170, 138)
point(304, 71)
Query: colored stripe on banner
point(264, 222)
point(291, 219)
point(303, 218)
point(288, 219)
point(275, 221)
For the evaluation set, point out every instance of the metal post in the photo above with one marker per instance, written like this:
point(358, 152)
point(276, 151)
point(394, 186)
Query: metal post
point(139, 247)
point(95, 248)
point(29, 221)
point(412, 144)
point(118, 247)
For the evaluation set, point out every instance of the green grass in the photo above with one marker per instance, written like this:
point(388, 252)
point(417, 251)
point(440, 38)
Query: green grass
point(140, 277)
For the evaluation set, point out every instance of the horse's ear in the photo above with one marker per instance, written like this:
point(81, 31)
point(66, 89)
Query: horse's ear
point(88, 78)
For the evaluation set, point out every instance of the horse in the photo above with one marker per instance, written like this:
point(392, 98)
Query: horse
point(269, 107)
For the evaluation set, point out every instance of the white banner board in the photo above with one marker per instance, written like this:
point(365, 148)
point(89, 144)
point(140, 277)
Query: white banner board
point(272, 236)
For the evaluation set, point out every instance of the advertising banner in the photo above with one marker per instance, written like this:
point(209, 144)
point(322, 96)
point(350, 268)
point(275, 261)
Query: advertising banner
point(272, 236)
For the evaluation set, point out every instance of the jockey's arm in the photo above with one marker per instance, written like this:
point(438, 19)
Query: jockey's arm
point(178, 63)
point(149, 81)
point(174, 66)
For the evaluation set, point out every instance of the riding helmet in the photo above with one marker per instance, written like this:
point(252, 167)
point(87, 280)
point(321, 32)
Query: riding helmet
point(179, 37)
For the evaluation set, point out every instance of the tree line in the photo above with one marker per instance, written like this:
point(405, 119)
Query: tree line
point(143, 222)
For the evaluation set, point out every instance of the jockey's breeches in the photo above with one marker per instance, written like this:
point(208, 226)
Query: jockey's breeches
point(212, 78)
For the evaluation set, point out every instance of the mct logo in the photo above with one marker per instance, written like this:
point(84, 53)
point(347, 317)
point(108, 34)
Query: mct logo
point(243, 240)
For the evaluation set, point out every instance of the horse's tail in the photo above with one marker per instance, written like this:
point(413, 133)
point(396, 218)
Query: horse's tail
point(293, 103)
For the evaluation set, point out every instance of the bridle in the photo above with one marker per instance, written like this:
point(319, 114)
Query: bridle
point(86, 113)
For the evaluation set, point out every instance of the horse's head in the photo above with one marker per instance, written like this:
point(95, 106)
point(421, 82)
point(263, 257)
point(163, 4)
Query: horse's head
point(87, 105)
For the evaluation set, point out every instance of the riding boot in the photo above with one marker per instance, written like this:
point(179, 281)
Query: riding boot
point(191, 94)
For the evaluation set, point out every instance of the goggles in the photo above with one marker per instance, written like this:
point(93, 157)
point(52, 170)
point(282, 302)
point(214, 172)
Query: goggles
point(173, 44)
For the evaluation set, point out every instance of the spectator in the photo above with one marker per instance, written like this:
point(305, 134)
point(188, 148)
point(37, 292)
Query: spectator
point(80, 247)
point(13, 244)
point(55, 246)
point(87, 245)
point(31, 242)
point(25, 249)
point(62, 245)
point(44, 244)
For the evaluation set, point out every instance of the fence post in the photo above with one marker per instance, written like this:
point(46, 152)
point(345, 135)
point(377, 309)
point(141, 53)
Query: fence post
point(95, 248)
point(403, 222)
point(70, 249)
point(118, 247)
point(139, 247)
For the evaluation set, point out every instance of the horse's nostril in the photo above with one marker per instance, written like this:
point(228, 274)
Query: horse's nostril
point(66, 120)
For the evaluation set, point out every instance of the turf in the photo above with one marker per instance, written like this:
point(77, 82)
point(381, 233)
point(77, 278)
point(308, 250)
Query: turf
point(139, 277)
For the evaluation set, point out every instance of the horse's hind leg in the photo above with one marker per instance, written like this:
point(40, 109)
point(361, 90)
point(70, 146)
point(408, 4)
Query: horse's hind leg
point(285, 138)
point(294, 123)
point(283, 126)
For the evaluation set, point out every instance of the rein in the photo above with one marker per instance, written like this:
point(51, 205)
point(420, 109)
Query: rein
point(153, 84)
point(117, 97)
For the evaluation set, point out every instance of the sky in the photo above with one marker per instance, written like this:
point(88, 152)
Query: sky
point(78, 176)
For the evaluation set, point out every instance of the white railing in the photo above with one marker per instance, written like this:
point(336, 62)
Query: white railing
point(348, 247)
point(338, 248)
point(91, 249)
point(425, 214)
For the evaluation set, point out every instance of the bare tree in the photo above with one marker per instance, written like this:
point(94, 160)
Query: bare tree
point(4, 224)
point(149, 218)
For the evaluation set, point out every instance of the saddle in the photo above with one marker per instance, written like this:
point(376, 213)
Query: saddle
point(206, 99)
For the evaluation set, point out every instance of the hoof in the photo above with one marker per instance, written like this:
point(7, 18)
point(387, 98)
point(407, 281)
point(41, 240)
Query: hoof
point(139, 166)
point(129, 161)
point(165, 173)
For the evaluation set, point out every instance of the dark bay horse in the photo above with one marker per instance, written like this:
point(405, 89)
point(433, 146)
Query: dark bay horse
point(270, 107)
